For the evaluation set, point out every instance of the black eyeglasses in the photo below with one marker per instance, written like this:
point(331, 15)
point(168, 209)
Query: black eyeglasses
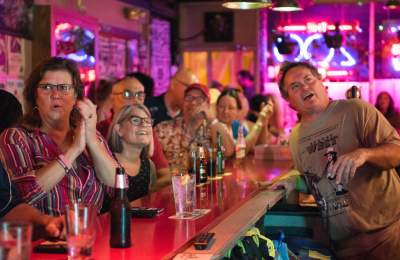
point(141, 121)
point(127, 94)
point(63, 88)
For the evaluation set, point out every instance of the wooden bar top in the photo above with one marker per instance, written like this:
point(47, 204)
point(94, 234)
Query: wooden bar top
point(235, 202)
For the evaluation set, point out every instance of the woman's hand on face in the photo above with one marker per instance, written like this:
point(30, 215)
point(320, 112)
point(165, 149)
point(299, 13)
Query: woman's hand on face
point(89, 116)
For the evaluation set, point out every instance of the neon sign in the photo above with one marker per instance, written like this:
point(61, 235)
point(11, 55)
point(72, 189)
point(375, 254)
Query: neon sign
point(322, 27)
point(310, 44)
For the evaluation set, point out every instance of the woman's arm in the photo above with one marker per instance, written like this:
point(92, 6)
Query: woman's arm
point(103, 161)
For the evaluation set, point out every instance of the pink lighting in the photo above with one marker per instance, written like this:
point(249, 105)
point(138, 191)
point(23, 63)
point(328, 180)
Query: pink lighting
point(322, 27)
point(61, 27)
point(395, 49)
point(337, 73)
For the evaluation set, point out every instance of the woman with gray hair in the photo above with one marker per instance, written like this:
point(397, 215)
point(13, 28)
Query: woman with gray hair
point(130, 139)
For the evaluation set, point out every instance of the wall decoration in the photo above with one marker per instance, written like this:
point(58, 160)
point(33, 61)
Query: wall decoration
point(16, 17)
point(218, 26)
point(3, 54)
point(16, 57)
point(112, 56)
point(77, 43)
point(160, 55)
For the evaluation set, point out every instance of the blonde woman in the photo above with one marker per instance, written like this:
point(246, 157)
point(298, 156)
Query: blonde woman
point(130, 138)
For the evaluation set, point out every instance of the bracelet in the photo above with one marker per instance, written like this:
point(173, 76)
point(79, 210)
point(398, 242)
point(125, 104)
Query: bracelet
point(63, 161)
point(257, 126)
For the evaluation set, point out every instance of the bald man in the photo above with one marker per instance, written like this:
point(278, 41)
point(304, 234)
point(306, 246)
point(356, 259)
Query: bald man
point(128, 91)
point(169, 105)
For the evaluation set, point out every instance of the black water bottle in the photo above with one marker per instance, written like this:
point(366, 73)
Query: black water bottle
point(120, 213)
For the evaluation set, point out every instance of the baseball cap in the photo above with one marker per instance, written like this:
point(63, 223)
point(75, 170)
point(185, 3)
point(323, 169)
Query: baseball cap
point(203, 88)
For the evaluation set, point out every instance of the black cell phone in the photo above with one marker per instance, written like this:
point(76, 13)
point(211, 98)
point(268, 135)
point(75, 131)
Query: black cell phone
point(52, 247)
point(144, 212)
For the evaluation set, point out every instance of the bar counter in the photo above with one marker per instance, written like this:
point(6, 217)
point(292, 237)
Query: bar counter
point(235, 201)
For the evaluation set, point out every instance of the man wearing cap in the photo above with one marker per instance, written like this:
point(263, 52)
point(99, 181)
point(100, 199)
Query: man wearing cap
point(127, 91)
point(177, 134)
point(169, 105)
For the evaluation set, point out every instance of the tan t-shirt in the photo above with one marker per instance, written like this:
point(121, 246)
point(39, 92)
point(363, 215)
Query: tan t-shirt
point(372, 198)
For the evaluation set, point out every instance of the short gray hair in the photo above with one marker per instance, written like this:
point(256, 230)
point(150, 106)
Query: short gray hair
point(114, 140)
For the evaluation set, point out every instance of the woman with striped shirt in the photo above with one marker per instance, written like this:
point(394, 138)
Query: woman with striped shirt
point(56, 156)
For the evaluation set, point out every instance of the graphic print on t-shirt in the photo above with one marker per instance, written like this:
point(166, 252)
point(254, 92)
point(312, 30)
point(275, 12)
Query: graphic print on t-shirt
point(318, 151)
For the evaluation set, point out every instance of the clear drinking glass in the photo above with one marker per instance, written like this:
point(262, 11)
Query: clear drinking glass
point(184, 188)
point(80, 221)
point(15, 240)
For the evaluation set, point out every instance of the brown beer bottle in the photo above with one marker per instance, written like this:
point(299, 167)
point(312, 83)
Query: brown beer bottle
point(120, 213)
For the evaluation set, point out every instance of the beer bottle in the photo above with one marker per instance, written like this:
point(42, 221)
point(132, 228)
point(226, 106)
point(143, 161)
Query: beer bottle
point(120, 213)
point(192, 169)
point(202, 164)
point(220, 160)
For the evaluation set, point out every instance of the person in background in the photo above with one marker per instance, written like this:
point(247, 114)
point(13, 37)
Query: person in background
point(353, 92)
point(228, 107)
point(170, 104)
point(177, 135)
point(275, 126)
point(246, 82)
point(146, 81)
point(103, 100)
point(129, 138)
point(55, 156)
point(11, 205)
point(385, 104)
point(129, 91)
point(359, 192)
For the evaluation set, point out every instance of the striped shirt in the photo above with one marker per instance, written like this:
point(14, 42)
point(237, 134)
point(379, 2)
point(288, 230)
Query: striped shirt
point(23, 151)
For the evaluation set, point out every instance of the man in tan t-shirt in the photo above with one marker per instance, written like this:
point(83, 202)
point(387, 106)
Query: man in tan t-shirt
point(347, 152)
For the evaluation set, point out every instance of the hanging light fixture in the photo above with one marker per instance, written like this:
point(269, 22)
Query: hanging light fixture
point(287, 6)
point(392, 4)
point(249, 4)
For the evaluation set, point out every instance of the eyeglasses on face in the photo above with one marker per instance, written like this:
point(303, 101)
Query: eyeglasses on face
point(127, 94)
point(63, 88)
point(141, 121)
point(195, 99)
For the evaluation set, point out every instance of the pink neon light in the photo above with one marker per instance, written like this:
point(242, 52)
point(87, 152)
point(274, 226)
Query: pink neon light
point(317, 27)
point(395, 49)
point(62, 27)
point(92, 75)
point(337, 73)
point(294, 28)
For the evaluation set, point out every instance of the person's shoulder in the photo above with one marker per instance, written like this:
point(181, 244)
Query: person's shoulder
point(14, 132)
point(154, 100)
point(168, 123)
point(353, 105)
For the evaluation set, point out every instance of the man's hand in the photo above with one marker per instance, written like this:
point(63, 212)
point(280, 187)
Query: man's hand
point(346, 165)
point(288, 184)
point(55, 227)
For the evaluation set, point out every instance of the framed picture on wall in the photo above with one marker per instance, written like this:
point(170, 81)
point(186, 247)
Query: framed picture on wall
point(218, 26)
point(16, 17)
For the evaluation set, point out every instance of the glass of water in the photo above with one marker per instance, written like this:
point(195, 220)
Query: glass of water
point(184, 188)
point(15, 240)
point(80, 221)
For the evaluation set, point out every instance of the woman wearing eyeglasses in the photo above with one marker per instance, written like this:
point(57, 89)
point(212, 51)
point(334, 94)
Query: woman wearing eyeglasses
point(130, 91)
point(56, 155)
point(228, 107)
point(129, 138)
